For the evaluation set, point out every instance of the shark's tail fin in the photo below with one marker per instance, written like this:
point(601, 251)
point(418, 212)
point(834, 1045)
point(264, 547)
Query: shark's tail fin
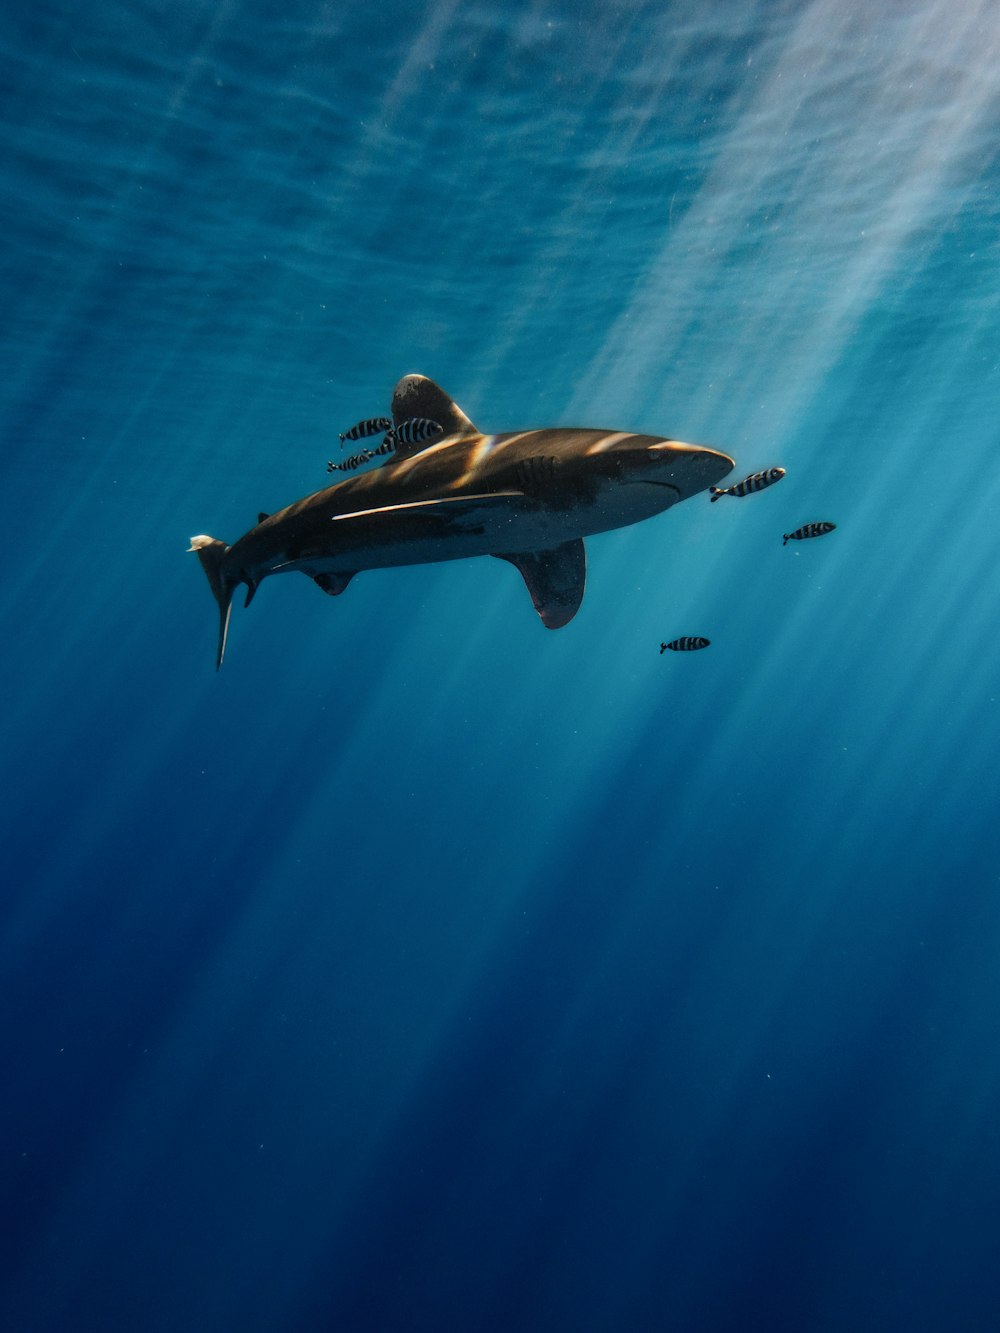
point(211, 553)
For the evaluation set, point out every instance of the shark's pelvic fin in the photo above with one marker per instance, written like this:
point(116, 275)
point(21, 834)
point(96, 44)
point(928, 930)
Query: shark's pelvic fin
point(417, 396)
point(211, 552)
point(334, 584)
point(555, 579)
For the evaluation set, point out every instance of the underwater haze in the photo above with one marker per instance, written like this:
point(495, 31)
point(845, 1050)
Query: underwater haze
point(426, 969)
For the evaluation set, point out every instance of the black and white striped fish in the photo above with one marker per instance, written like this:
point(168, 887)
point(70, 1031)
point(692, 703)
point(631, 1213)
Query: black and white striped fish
point(370, 426)
point(686, 644)
point(808, 530)
point(414, 430)
point(365, 456)
point(349, 464)
point(757, 481)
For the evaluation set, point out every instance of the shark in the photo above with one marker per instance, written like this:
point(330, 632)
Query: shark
point(528, 497)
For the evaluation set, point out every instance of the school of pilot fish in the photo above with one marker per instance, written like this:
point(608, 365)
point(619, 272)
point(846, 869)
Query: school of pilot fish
point(757, 481)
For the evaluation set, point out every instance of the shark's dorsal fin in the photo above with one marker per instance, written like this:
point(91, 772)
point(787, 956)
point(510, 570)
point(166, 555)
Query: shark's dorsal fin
point(261, 516)
point(417, 396)
point(555, 579)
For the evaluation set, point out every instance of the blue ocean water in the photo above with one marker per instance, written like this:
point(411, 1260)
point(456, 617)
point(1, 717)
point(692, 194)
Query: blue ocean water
point(426, 969)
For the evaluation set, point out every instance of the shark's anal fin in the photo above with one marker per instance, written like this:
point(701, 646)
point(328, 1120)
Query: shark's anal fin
point(555, 579)
point(417, 396)
point(334, 584)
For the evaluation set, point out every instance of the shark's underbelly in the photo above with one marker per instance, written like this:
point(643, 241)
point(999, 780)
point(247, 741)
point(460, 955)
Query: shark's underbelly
point(460, 531)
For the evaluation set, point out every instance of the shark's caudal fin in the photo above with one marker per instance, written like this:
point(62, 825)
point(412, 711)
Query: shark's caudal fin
point(417, 396)
point(211, 552)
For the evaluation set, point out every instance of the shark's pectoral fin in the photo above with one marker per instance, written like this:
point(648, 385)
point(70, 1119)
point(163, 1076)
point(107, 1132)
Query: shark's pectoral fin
point(417, 396)
point(555, 579)
point(334, 584)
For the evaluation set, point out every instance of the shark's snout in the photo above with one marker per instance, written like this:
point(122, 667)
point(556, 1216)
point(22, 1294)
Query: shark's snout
point(689, 468)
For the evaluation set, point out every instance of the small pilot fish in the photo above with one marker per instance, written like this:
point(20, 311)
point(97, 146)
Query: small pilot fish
point(808, 530)
point(687, 644)
point(349, 464)
point(414, 430)
point(387, 446)
point(370, 426)
point(757, 481)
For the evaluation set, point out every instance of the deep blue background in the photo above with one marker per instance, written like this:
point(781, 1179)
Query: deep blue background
point(425, 969)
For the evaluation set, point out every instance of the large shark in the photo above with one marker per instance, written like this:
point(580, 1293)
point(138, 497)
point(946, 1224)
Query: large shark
point(528, 497)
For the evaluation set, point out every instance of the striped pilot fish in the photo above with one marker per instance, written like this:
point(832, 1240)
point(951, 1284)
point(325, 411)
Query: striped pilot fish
point(807, 530)
point(370, 426)
point(757, 481)
point(686, 644)
point(414, 430)
point(355, 460)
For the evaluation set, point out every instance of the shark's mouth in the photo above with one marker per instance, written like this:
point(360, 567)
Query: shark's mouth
point(645, 481)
